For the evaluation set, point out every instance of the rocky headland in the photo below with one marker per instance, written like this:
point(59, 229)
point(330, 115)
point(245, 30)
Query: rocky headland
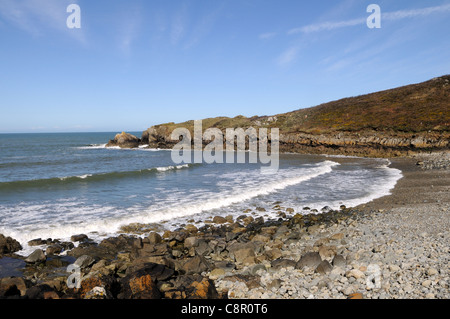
point(402, 121)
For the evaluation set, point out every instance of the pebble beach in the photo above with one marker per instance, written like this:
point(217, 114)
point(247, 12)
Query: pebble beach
point(395, 247)
point(400, 241)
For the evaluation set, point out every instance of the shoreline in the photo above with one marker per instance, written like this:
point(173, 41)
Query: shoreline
point(424, 182)
point(140, 228)
point(404, 234)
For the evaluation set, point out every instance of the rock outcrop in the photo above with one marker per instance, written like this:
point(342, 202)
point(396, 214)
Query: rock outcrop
point(367, 143)
point(124, 140)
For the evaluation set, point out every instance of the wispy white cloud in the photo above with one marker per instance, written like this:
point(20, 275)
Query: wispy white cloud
point(361, 54)
point(203, 27)
point(37, 17)
point(268, 35)
point(326, 26)
point(129, 29)
point(288, 56)
point(402, 14)
point(395, 15)
point(179, 25)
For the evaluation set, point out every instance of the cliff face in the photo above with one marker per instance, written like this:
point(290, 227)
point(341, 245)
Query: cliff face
point(399, 121)
point(368, 143)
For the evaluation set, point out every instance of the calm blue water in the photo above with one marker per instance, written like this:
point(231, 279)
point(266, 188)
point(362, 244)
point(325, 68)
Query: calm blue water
point(57, 185)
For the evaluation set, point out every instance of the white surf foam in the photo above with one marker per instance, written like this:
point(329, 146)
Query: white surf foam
point(342, 156)
point(98, 222)
point(168, 168)
point(378, 188)
point(92, 147)
point(240, 195)
point(80, 177)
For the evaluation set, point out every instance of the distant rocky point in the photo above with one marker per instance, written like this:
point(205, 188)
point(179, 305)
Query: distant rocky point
point(396, 122)
point(124, 140)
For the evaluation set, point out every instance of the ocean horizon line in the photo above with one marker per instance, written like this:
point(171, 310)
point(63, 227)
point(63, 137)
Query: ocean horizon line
point(81, 132)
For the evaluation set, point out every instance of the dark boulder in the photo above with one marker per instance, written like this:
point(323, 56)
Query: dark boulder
point(41, 292)
point(37, 242)
point(282, 263)
point(106, 249)
point(12, 286)
point(339, 261)
point(139, 285)
point(324, 267)
point(153, 250)
point(84, 261)
point(79, 237)
point(36, 257)
point(54, 249)
point(94, 251)
point(153, 238)
point(192, 287)
point(122, 243)
point(195, 265)
point(8, 245)
point(311, 259)
point(158, 272)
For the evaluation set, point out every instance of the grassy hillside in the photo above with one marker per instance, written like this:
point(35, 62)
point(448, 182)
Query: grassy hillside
point(410, 109)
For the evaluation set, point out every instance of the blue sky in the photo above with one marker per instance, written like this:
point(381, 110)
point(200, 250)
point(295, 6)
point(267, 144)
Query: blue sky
point(137, 63)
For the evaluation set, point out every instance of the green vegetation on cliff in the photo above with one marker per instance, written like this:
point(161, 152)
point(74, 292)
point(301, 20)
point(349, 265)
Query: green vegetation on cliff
point(410, 109)
point(400, 121)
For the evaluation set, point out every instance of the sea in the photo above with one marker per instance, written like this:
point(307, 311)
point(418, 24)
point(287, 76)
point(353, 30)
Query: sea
point(60, 184)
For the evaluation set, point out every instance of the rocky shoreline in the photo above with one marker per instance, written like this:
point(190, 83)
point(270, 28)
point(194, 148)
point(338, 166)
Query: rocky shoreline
point(394, 247)
point(223, 259)
point(434, 160)
point(365, 144)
